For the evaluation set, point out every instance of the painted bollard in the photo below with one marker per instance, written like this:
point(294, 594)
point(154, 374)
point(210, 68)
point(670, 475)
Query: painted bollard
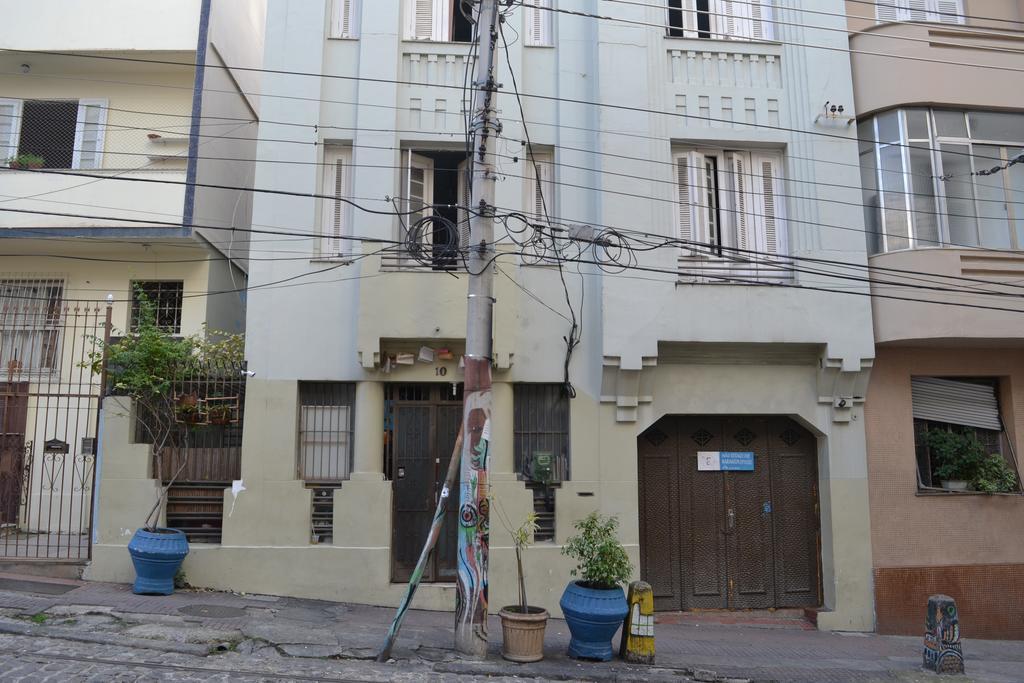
point(942, 653)
point(637, 643)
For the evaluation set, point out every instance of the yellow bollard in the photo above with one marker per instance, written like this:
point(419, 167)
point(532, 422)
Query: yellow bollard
point(637, 644)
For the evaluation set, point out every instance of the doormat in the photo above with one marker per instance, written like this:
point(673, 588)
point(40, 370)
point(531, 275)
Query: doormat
point(40, 587)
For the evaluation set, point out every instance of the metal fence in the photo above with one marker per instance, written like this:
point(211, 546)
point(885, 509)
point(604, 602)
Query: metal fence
point(49, 411)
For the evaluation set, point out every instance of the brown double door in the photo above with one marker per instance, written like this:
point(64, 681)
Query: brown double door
point(423, 425)
point(729, 540)
point(13, 419)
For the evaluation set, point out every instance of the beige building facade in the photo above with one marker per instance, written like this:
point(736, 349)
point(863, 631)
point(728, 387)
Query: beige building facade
point(943, 209)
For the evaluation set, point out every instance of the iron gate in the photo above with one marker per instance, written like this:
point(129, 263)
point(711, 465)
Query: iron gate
point(49, 411)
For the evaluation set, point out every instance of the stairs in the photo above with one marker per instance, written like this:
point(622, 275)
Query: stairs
point(198, 510)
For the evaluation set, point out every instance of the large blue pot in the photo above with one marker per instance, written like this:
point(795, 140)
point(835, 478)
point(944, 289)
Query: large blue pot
point(157, 556)
point(593, 615)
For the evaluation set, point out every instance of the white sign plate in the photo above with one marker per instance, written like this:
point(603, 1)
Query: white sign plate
point(709, 461)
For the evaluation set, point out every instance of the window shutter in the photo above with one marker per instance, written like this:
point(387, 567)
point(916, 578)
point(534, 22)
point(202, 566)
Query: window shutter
point(949, 11)
point(735, 18)
point(543, 190)
point(915, 10)
point(92, 122)
point(768, 215)
point(961, 403)
point(421, 19)
point(887, 10)
point(345, 22)
point(692, 213)
point(762, 26)
point(537, 20)
point(739, 172)
point(419, 191)
point(335, 210)
point(10, 128)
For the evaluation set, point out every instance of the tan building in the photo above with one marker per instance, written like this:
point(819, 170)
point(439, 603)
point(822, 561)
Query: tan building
point(944, 208)
point(107, 134)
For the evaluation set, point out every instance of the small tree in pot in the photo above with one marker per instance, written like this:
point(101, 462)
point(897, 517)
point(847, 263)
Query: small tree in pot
point(522, 625)
point(957, 455)
point(595, 605)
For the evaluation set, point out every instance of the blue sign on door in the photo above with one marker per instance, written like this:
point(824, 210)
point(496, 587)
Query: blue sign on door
point(737, 461)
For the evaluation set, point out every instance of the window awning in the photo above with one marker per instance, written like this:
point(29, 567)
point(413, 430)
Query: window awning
point(962, 403)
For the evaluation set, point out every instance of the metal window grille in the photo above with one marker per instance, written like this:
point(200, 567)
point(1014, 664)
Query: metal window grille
point(30, 322)
point(48, 130)
point(166, 296)
point(325, 431)
point(541, 417)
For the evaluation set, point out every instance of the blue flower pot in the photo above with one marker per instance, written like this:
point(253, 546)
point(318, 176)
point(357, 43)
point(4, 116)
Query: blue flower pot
point(157, 556)
point(593, 615)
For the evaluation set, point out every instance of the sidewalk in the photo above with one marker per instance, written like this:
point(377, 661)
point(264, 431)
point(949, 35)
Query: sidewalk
point(243, 630)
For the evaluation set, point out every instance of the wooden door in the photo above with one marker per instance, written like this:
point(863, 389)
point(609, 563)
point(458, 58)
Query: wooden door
point(729, 540)
point(13, 421)
point(426, 421)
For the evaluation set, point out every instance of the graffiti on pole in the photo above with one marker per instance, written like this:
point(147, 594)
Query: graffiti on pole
point(474, 521)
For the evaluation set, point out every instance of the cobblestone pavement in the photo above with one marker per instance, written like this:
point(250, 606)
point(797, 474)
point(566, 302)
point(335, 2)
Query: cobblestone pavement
point(102, 631)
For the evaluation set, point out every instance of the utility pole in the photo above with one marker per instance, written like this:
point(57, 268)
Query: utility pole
point(474, 505)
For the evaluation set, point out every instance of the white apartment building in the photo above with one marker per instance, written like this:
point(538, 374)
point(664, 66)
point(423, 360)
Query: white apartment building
point(698, 125)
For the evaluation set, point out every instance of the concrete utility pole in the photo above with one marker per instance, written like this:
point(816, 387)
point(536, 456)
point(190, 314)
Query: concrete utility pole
point(474, 506)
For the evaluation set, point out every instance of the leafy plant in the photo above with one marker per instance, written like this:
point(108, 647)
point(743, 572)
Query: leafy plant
point(26, 161)
point(602, 562)
point(994, 475)
point(958, 455)
point(143, 366)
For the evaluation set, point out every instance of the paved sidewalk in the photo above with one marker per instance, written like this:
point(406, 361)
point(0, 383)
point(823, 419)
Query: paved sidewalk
point(210, 635)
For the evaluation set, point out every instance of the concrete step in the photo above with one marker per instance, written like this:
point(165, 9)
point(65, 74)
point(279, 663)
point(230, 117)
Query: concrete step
point(52, 569)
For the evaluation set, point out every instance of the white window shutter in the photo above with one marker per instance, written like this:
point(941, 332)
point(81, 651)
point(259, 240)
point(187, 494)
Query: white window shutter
point(443, 19)
point(89, 134)
point(739, 175)
point(691, 210)
point(10, 128)
point(762, 25)
point(887, 10)
point(543, 189)
point(689, 10)
point(420, 19)
point(949, 11)
point(419, 191)
point(734, 18)
point(345, 19)
point(915, 10)
point(537, 22)
point(335, 210)
point(768, 206)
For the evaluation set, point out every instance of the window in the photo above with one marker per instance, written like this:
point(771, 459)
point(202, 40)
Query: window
point(439, 20)
point(730, 206)
point(436, 184)
point(966, 406)
point(166, 297)
point(722, 19)
point(30, 320)
point(325, 431)
point(541, 444)
point(944, 11)
point(540, 172)
point(345, 19)
point(905, 154)
point(537, 22)
point(336, 212)
point(65, 133)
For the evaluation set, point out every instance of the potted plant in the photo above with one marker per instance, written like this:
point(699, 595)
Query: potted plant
point(994, 475)
point(522, 625)
point(29, 161)
point(594, 605)
point(220, 412)
point(957, 457)
point(145, 366)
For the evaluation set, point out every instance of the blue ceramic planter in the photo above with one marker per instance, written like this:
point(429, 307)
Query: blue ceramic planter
point(157, 556)
point(593, 615)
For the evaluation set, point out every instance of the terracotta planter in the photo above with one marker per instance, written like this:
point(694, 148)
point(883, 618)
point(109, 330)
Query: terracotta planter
point(523, 634)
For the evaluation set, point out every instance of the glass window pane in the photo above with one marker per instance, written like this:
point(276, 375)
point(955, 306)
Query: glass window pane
point(872, 205)
point(894, 199)
point(888, 127)
point(993, 219)
point(917, 124)
point(866, 135)
point(951, 124)
point(1015, 180)
point(963, 228)
point(996, 126)
point(926, 223)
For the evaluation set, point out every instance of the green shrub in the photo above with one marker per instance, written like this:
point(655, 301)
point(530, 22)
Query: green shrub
point(994, 475)
point(602, 562)
point(957, 455)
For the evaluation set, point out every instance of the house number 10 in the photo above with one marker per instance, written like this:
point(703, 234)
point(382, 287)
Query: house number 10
point(440, 372)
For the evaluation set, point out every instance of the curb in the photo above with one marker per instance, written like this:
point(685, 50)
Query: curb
point(121, 641)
